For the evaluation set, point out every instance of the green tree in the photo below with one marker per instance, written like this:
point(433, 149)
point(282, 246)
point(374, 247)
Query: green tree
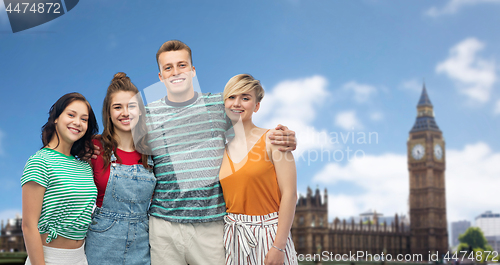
point(474, 238)
point(463, 246)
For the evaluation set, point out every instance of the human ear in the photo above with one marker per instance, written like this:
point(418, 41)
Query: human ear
point(257, 107)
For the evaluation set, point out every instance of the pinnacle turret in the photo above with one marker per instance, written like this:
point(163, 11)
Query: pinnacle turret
point(424, 98)
point(425, 114)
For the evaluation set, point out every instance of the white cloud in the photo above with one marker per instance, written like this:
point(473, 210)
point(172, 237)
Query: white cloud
point(376, 116)
point(362, 92)
point(474, 76)
point(497, 107)
point(384, 179)
point(294, 103)
point(453, 6)
point(412, 85)
point(347, 120)
point(343, 206)
point(471, 183)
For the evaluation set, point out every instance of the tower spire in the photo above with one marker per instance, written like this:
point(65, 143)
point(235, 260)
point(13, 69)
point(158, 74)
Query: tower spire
point(424, 98)
point(425, 118)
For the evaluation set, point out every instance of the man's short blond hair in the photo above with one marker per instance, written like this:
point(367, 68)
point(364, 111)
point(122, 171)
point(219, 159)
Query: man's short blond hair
point(242, 84)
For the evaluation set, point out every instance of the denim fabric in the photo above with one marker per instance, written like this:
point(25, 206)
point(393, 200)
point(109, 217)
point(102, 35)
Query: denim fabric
point(119, 230)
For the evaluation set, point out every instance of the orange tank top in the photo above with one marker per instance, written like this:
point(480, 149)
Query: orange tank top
point(253, 188)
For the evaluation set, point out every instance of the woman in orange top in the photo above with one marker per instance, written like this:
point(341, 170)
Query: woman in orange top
point(259, 184)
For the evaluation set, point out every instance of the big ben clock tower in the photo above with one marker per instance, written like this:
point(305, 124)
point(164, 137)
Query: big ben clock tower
point(426, 165)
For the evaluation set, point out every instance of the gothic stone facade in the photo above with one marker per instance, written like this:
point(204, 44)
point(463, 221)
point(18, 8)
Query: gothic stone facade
point(312, 233)
point(427, 232)
point(11, 237)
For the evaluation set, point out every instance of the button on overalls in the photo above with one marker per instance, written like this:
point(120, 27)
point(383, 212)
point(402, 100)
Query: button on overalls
point(119, 230)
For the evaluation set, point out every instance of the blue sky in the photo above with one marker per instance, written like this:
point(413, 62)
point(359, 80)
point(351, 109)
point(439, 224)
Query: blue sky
point(329, 68)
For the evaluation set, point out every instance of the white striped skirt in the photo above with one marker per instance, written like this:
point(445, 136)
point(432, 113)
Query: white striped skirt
point(248, 238)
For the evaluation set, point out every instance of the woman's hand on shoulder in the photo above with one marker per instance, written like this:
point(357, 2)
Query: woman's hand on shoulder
point(92, 154)
point(284, 138)
point(277, 153)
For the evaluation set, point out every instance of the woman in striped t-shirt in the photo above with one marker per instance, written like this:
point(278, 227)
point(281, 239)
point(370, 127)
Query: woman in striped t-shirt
point(58, 190)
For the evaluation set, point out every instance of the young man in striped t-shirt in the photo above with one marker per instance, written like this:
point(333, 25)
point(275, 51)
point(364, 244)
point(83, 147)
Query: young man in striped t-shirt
point(186, 133)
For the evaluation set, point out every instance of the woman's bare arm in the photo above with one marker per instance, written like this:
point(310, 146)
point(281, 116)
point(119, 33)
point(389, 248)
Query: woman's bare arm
point(284, 164)
point(32, 195)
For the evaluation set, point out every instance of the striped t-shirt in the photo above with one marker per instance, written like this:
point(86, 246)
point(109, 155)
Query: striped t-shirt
point(187, 141)
point(70, 193)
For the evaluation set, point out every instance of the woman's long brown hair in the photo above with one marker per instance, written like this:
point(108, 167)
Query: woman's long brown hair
point(121, 82)
point(84, 145)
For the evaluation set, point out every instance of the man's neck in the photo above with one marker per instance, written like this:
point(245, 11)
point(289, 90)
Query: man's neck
point(180, 97)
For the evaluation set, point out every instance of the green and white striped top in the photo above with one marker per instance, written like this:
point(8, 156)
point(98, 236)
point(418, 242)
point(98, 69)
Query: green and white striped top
point(69, 196)
point(187, 140)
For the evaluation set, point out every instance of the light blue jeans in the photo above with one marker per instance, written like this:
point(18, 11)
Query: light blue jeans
point(119, 230)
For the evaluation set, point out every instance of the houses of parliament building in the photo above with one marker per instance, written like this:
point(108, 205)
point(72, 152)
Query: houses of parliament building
point(427, 230)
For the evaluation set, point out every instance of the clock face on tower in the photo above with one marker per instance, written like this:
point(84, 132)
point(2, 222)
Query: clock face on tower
point(438, 151)
point(418, 151)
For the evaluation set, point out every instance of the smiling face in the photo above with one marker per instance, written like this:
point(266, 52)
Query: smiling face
point(72, 124)
point(176, 71)
point(240, 107)
point(124, 111)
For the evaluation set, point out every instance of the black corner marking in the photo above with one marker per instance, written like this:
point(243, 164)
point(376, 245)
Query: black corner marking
point(70, 4)
point(26, 14)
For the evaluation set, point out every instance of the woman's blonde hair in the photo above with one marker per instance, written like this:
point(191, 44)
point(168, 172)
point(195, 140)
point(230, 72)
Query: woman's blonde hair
point(242, 84)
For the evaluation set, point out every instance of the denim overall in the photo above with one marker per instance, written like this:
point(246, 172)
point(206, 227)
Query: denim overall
point(119, 230)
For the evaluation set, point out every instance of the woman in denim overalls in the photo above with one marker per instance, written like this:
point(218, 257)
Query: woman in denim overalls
point(118, 233)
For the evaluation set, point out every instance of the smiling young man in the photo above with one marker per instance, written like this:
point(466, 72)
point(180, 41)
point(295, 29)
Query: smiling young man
point(186, 133)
